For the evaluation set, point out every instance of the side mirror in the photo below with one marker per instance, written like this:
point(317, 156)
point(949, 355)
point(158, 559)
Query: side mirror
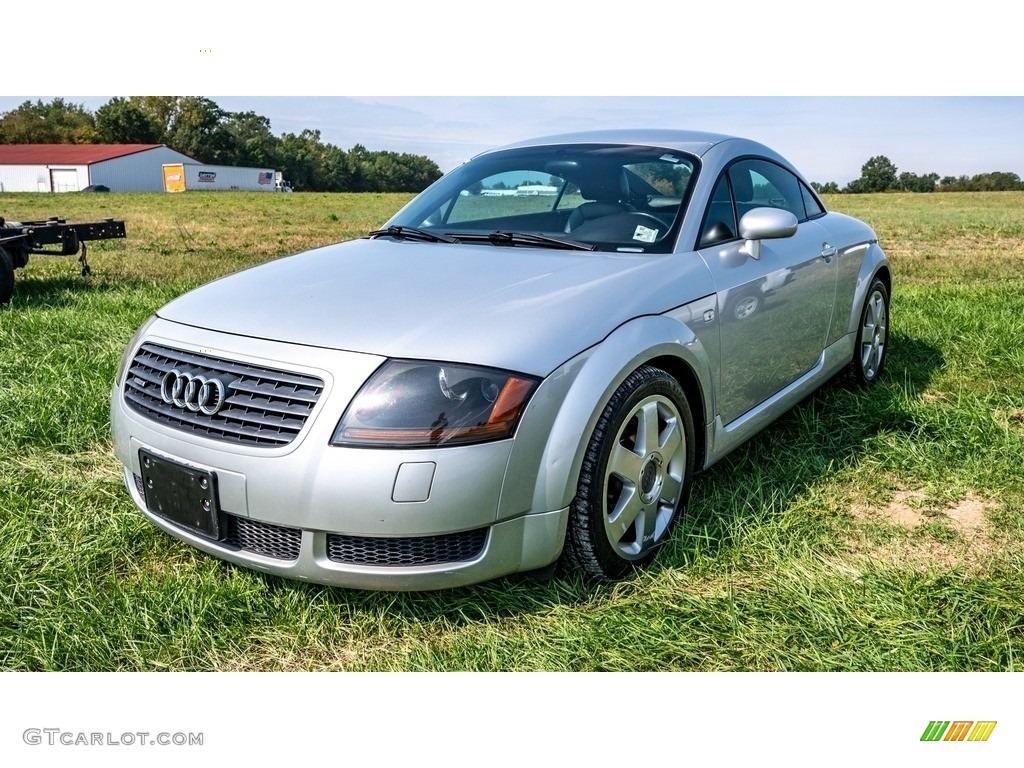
point(765, 224)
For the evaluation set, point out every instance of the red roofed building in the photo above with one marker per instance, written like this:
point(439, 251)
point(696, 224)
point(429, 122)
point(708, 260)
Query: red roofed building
point(73, 167)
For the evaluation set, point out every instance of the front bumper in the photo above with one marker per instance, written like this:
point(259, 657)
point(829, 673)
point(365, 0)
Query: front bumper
point(511, 546)
point(366, 518)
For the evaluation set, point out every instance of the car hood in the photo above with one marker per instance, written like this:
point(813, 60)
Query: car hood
point(518, 308)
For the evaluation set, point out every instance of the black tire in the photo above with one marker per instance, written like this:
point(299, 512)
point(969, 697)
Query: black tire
point(6, 276)
point(872, 340)
point(635, 480)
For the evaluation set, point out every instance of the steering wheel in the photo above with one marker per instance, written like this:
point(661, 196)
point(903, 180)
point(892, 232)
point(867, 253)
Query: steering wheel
point(632, 227)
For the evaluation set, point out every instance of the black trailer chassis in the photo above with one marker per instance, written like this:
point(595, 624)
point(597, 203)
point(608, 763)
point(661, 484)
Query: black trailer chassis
point(19, 239)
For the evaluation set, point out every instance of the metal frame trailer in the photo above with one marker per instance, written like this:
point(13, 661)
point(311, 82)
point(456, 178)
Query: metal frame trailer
point(19, 239)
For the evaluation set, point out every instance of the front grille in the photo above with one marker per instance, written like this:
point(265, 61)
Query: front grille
point(262, 538)
point(262, 406)
point(413, 550)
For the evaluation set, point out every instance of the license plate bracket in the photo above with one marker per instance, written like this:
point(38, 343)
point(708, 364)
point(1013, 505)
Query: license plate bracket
point(184, 495)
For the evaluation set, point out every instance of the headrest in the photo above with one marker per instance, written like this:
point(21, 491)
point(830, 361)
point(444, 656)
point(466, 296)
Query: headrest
point(604, 184)
point(742, 186)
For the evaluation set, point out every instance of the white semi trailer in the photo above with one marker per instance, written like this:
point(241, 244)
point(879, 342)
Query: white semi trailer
point(181, 177)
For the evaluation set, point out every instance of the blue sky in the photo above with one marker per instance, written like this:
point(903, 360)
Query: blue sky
point(828, 138)
point(950, 136)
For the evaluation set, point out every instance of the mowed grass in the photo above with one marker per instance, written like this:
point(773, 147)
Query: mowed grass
point(866, 530)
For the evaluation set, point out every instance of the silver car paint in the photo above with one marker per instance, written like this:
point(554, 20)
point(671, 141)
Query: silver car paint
point(858, 261)
point(801, 309)
point(443, 303)
point(630, 346)
point(582, 321)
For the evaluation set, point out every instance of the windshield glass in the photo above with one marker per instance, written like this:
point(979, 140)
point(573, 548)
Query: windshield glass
point(615, 197)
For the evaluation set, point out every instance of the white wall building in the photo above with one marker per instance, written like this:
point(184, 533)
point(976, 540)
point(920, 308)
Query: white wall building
point(73, 167)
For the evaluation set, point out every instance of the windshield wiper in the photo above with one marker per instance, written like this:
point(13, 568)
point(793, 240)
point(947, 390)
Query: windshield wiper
point(500, 237)
point(411, 233)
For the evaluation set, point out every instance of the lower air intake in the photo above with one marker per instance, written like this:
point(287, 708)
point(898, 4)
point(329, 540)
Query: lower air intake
point(413, 550)
point(263, 538)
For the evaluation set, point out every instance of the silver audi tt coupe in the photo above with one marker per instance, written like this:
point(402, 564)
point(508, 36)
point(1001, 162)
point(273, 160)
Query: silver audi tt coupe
point(529, 362)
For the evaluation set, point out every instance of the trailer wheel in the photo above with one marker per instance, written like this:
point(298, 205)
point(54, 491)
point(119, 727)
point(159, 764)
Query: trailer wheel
point(6, 276)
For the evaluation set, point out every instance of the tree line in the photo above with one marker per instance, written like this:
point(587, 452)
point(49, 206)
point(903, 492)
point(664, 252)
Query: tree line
point(198, 127)
point(879, 174)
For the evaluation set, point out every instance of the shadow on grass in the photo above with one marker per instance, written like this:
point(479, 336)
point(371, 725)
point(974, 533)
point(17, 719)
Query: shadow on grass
point(830, 428)
point(833, 427)
point(60, 291)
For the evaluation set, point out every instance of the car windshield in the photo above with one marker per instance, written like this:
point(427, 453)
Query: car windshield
point(608, 197)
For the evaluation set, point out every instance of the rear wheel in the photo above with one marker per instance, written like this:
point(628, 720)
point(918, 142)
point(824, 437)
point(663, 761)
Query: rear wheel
point(6, 276)
point(635, 477)
point(872, 336)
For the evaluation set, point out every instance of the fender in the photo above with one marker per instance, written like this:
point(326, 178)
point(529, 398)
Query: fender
point(549, 451)
point(875, 264)
point(858, 264)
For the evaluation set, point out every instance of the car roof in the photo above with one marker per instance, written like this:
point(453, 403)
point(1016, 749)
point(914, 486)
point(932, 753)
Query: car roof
point(692, 142)
point(715, 149)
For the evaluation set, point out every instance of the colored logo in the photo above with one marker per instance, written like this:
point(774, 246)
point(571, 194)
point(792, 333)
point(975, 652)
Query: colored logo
point(265, 178)
point(958, 730)
point(207, 175)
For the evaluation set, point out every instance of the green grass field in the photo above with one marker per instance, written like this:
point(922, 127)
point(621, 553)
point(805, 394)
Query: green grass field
point(876, 530)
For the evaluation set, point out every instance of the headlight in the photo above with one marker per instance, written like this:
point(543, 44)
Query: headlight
point(417, 404)
point(126, 358)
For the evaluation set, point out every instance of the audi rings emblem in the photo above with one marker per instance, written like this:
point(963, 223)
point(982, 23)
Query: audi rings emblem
point(197, 393)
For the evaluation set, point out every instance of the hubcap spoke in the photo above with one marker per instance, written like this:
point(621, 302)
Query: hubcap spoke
point(648, 435)
point(670, 490)
point(869, 360)
point(877, 310)
point(650, 523)
point(625, 464)
point(673, 439)
point(625, 513)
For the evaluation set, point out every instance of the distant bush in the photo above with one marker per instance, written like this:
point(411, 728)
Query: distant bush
point(879, 175)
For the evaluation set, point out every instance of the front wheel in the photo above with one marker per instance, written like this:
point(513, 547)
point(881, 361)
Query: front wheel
point(635, 477)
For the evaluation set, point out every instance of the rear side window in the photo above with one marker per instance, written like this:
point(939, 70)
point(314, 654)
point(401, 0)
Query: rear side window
point(811, 205)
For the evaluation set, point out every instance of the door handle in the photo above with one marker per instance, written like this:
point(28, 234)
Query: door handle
point(828, 251)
